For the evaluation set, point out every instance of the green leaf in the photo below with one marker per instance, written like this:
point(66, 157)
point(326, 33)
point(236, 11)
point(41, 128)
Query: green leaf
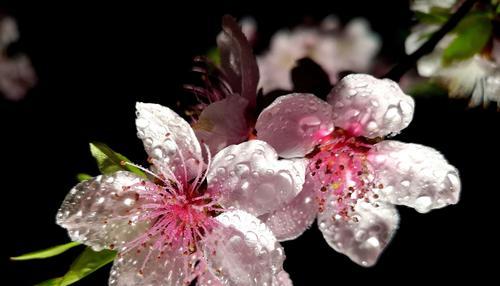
point(427, 89)
point(472, 34)
point(110, 161)
point(83, 177)
point(88, 262)
point(46, 253)
point(51, 282)
point(214, 55)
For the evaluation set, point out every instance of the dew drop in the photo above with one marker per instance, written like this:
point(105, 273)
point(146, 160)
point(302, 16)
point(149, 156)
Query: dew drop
point(405, 183)
point(242, 169)
point(423, 204)
point(309, 124)
point(141, 122)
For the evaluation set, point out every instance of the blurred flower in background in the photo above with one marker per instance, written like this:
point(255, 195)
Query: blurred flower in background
point(466, 60)
point(335, 49)
point(16, 72)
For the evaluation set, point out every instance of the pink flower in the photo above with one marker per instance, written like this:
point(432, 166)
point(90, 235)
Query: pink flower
point(16, 73)
point(230, 87)
point(189, 218)
point(351, 49)
point(354, 178)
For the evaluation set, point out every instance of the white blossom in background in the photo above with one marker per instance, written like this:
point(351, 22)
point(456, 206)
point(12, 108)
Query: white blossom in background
point(190, 218)
point(352, 48)
point(354, 177)
point(426, 5)
point(16, 73)
point(477, 77)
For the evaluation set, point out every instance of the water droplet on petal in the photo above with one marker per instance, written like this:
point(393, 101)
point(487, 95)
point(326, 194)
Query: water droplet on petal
point(309, 124)
point(423, 204)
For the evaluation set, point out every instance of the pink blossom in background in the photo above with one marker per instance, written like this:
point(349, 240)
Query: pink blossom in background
point(16, 73)
point(352, 48)
point(190, 217)
point(229, 95)
point(354, 177)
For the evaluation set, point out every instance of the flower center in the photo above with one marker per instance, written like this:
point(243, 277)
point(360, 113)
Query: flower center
point(178, 217)
point(340, 166)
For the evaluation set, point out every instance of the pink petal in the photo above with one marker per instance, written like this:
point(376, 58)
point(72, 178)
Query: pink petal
point(414, 175)
point(364, 237)
point(8, 32)
point(16, 76)
point(172, 268)
point(96, 212)
point(237, 60)
point(250, 177)
point(243, 251)
point(370, 107)
point(223, 123)
point(290, 221)
point(293, 124)
point(168, 139)
point(208, 279)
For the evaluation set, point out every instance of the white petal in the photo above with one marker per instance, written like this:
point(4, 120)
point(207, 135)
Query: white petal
point(364, 237)
point(172, 268)
point(370, 107)
point(294, 218)
point(167, 137)
point(243, 251)
point(293, 124)
point(250, 177)
point(426, 5)
point(96, 212)
point(282, 279)
point(414, 175)
point(223, 123)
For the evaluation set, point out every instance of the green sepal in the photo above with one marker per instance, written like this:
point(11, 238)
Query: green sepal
point(46, 253)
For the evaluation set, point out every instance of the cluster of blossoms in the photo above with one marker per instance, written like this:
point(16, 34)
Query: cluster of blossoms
point(16, 73)
point(467, 59)
point(221, 193)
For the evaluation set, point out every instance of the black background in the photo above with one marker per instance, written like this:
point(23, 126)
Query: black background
point(94, 61)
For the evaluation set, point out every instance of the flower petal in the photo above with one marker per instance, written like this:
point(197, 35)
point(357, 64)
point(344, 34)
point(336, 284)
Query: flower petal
point(152, 268)
point(290, 221)
point(243, 251)
point(370, 107)
point(208, 279)
point(237, 60)
point(223, 123)
point(364, 237)
point(250, 177)
point(293, 124)
point(167, 137)
point(96, 212)
point(282, 279)
point(8, 32)
point(414, 175)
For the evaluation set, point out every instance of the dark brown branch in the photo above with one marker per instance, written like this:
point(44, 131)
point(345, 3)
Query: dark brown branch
point(410, 60)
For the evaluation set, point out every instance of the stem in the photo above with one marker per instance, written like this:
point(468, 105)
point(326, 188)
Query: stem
point(410, 60)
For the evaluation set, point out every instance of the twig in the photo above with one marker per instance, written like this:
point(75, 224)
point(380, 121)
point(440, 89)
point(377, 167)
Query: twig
point(410, 60)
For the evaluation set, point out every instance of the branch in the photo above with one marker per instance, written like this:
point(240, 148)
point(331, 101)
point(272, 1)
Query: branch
point(410, 60)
